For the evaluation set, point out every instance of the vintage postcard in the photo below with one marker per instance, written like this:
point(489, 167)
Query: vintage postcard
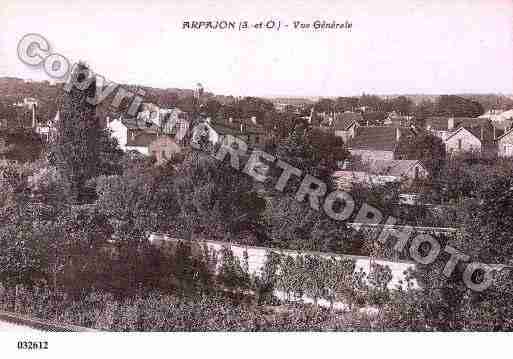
point(239, 166)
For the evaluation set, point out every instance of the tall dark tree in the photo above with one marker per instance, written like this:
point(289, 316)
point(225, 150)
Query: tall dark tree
point(75, 150)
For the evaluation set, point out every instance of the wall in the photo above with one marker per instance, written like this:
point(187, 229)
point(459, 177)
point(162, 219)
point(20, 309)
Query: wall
point(163, 148)
point(506, 145)
point(368, 155)
point(119, 132)
point(346, 135)
point(468, 142)
point(257, 257)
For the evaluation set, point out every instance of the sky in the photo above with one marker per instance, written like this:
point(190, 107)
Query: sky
point(394, 46)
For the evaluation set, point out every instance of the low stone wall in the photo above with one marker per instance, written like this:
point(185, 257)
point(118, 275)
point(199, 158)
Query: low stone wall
point(257, 257)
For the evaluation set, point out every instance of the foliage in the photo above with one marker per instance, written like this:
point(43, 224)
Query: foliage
point(213, 198)
point(75, 148)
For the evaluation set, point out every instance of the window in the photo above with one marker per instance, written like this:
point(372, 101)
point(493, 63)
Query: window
point(508, 150)
point(460, 144)
point(416, 175)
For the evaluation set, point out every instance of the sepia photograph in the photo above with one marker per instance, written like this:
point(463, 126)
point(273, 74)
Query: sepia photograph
point(270, 177)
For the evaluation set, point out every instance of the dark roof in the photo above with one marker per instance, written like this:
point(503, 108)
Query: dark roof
point(342, 121)
point(381, 138)
point(437, 123)
point(471, 122)
point(135, 124)
point(504, 125)
point(234, 128)
point(346, 120)
point(442, 123)
point(482, 133)
point(507, 133)
point(141, 140)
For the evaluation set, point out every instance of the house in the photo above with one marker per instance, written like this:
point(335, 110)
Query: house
point(505, 144)
point(248, 130)
point(164, 118)
point(464, 140)
point(443, 127)
point(473, 134)
point(461, 134)
point(395, 119)
point(440, 127)
point(376, 142)
point(163, 148)
point(498, 115)
point(48, 130)
point(342, 124)
point(133, 134)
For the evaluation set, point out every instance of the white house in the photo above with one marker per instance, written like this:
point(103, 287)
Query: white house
point(133, 134)
point(463, 140)
point(505, 144)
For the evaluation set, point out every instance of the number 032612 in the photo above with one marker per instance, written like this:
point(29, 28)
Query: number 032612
point(32, 345)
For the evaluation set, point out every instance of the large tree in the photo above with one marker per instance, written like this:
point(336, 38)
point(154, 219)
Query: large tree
point(75, 149)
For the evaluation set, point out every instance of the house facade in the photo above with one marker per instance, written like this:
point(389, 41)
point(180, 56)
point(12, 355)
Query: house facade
point(395, 119)
point(343, 124)
point(466, 134)
point(248, 130)
point(163, 148)
point(505, 144)
point(462, 140)
point(133, 134)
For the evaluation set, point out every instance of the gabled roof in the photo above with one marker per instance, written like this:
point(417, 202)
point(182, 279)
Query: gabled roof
point(438, 123)
point(507, 114)
point(507, 133)
point(234, 128)
point(382, 138)
point(346, 120)
point(342, 121)
point(469, 130)
point(441, 123)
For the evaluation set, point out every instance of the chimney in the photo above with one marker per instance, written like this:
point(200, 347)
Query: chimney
point(397, 134)
point(494, 133)
point(450, 123)
point(33, 115)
